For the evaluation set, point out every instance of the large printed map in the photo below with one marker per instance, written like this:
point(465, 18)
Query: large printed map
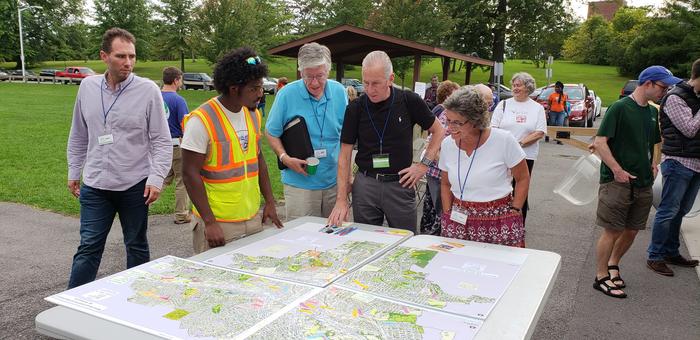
point(175, 298)
point(433, 273)
point(337, 313)
point(304, 254)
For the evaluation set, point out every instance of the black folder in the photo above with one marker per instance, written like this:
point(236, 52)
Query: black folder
point(296, 140)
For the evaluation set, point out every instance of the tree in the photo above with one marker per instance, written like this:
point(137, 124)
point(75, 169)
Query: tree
point(176, 27)
point(589, 44)
point(42, 29)
point(345, 12)
point(131, 15)
point(226, 24)
point(422, 21)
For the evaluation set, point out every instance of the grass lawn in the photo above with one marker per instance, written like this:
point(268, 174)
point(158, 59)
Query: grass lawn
point(36, 122)
point(604, 80)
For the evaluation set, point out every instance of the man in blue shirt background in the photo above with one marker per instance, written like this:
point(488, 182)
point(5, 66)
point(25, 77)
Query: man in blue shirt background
point(175, 110)
point(322, 103)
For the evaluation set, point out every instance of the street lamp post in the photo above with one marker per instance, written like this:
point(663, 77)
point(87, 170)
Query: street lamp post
point(21, 42)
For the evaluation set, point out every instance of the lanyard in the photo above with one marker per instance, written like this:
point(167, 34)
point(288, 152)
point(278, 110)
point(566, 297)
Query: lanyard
point(102, 101)
point(315, 110)
point(459, 167)
point(380, 136)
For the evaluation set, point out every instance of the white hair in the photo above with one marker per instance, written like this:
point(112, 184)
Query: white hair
point(526, 79)
point(379, 58)
point(314, 55)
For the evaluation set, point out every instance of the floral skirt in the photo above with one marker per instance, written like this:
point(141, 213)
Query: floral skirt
point(489, 222)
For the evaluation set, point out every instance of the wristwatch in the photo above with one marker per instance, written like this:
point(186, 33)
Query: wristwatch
point(426, 161)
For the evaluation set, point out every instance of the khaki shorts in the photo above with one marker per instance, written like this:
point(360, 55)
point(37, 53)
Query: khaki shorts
point(620, 207)
point(232, 231)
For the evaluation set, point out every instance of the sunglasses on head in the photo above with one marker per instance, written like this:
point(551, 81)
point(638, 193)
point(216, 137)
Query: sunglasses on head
point(253, 60)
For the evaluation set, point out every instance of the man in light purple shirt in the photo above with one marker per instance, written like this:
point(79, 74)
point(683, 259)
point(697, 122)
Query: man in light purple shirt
point(680, 123)
point(120, 141)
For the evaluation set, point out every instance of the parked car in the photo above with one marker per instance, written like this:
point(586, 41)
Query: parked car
point(536, 93)
point(197, 81)
point(355, 83)
point(269, 85)
point(49, 72)
point(582, 110)
point(74, 73)
point(597, 103)
point(4, 75)
point(629, 87)
point(501, 90)
point(30, 75)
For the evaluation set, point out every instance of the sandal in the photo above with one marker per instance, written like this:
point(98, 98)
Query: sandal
point(617, 280)
point(607, 289)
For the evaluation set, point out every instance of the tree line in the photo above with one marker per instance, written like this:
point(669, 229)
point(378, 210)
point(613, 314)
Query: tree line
point(491, 29)
point(639, 37)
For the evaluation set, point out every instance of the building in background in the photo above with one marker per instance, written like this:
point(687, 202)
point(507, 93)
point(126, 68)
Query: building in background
point(606, 9)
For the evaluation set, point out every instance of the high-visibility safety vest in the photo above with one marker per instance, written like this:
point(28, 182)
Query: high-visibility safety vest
point(230, 174)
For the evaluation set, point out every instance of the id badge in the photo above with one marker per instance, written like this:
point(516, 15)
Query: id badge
point(105, 139)
point(459, 215)
point(320, 153)
point(521, 118)
point(380, 161)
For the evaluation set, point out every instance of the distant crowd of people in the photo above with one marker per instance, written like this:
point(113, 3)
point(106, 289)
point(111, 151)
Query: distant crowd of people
point(128, 139)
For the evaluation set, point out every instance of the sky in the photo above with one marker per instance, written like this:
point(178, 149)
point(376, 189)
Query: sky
point(581, 6)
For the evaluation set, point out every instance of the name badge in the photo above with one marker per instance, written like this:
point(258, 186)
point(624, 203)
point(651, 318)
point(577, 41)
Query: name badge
point(320, 153)
point(459, 215)
point(521, 118)
point(380, 161)
point(105, 139)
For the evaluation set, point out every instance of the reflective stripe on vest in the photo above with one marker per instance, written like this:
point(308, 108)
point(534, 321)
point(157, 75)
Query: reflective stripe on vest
point(230, 174)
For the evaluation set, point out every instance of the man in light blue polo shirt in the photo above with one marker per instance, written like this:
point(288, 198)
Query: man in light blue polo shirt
point(322, 103)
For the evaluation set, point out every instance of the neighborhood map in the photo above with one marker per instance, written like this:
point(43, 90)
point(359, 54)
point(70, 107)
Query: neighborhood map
point(433, 273)
point(337, 313)
point(309, 255)
point(180, 299)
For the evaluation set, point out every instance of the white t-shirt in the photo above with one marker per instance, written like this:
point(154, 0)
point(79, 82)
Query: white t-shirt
point(195, 137)
point(490, 177)
point(521, 119)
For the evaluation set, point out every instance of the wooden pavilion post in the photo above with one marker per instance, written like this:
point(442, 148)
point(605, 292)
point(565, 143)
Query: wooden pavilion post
point(339, 71)
point(445, 68)
point(416, 70)
point(468, 77)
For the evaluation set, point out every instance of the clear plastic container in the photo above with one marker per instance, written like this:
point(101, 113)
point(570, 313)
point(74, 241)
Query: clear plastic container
point(580, 185)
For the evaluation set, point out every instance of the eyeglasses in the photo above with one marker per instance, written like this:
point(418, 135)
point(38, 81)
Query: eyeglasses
point(455, 123)
point(253, 60)
point(318, 77)
point(663, 88)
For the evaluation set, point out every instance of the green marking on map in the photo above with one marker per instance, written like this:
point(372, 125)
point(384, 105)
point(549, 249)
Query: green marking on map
point(319, 263)
point(244, 277)
point(294, 267)
point(216, 309)
point(422, 257)
point(189, 292)
point(400, 317)
point(176, 314)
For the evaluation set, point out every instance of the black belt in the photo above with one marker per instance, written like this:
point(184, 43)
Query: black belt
point(382, 177)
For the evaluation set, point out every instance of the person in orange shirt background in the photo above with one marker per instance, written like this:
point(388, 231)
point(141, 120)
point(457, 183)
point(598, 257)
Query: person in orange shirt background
point(557, 105)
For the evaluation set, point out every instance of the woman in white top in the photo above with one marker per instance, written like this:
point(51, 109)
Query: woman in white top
point(524, 118)
point(478, 164)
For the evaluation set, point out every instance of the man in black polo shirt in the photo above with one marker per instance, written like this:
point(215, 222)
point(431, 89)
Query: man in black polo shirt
point(381, 122)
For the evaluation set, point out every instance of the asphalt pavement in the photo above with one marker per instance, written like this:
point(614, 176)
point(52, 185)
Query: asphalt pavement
point(37, 249)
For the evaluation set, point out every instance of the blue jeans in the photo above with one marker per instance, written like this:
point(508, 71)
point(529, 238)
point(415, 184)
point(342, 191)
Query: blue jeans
point(680, 188)
point(97, 210)
point(556, 118)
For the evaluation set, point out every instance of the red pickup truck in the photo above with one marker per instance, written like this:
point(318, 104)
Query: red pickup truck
point(75, 73)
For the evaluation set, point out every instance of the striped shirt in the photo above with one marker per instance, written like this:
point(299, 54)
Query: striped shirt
point(133, 114)
point(682, 118)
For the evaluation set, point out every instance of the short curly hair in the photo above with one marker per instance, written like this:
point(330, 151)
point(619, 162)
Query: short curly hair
point(445, 89)
point(234, 69)
point(468, 103)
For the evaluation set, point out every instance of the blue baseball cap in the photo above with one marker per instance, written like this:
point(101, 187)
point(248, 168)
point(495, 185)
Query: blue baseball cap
point(658, 73)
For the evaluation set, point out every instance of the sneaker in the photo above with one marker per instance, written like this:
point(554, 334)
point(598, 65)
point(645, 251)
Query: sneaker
point(681, 261)
point(659, 267)
point(183, 221)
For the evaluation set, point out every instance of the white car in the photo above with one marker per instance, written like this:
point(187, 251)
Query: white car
point(269, 85)
point(597, 103)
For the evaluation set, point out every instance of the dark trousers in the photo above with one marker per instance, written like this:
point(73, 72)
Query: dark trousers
point(373, 200)
point(530, 164)
point(97, 210)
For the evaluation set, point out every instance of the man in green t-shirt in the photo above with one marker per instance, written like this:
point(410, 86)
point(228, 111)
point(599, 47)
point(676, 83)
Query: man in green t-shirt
point(625, 142)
